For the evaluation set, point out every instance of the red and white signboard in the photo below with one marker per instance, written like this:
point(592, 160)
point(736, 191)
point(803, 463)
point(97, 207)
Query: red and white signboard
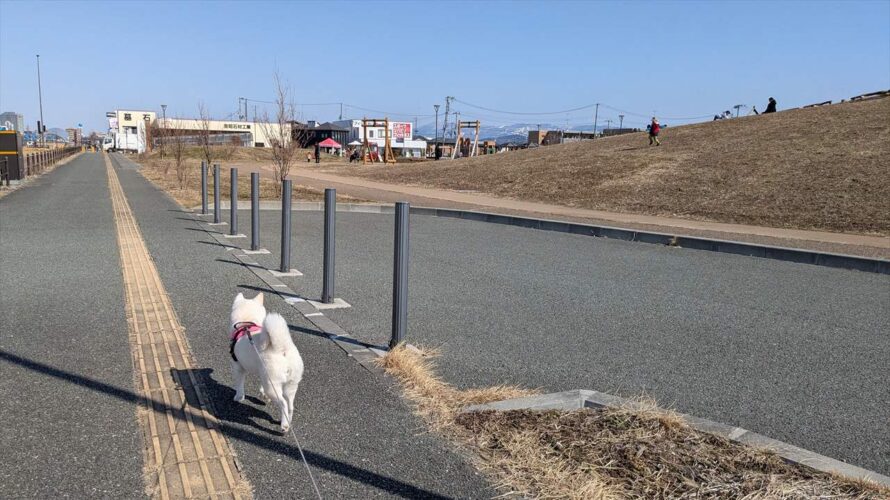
point(401, 131)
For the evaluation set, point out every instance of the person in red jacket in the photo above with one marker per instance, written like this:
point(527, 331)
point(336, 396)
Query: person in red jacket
point(654, 129)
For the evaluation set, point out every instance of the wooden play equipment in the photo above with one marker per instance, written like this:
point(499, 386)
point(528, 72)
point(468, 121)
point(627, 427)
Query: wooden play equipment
point(457, 143)
point(388, 156)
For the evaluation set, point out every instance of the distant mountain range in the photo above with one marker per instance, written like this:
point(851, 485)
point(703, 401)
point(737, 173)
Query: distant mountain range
point(517, 132)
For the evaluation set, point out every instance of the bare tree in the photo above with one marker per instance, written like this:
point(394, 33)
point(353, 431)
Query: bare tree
point(176, 143)
point(279, 131)
point(227, 150)
point(207, 150)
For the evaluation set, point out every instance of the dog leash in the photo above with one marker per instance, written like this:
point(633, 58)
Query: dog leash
point(280, 397)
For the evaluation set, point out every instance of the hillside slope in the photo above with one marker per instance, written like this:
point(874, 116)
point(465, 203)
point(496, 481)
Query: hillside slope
point(824, 168)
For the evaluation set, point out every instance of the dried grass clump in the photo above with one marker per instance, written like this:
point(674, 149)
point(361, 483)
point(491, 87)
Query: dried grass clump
point(639, 451)
point(645, 454)
point(436, 401)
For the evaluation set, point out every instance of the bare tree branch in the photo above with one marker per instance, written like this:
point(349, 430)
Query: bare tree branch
point(177, 146)
point(207, 151)
point(279, 131)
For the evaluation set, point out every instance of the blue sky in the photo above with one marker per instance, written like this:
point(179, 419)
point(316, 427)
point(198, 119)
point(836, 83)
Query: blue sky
point(675, 59)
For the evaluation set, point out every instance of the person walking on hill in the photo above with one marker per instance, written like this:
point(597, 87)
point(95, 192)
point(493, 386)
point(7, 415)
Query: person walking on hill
point(317, 153)
point(654, 129)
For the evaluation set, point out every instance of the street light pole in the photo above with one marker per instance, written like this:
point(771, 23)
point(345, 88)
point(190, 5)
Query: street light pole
point(40, 97)
point(620, 122)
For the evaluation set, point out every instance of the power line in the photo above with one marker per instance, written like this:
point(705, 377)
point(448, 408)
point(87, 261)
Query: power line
point(526, 113)
point(639, 115)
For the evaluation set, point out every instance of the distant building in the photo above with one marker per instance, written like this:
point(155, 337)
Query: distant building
point(401, 137)
point(619, 131)
point(549, 137)
point(446, 147)
point(74, 136)
point(312, 132)
point(127, 127)
point(10, 120)
point(128, 130)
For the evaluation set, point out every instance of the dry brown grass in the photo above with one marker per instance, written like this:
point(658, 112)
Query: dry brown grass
point(822, 168)
point(190, 194)
point(635, 452)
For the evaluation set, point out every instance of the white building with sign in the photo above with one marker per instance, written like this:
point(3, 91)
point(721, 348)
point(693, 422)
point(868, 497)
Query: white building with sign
point(128, 129)
point(401, 137)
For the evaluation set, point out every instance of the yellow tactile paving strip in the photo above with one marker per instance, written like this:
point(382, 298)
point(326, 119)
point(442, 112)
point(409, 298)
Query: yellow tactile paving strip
point(185, 454)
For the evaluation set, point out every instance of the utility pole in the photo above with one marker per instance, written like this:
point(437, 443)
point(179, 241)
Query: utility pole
point(436, 140)
point(620, 122)
point(341, 111)
point(595, 116)
point(447, 109)
point(40, 97)
point(608, 124)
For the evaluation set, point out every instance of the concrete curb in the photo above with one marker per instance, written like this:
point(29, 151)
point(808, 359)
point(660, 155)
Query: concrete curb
point(581, 398)
point(825, 259)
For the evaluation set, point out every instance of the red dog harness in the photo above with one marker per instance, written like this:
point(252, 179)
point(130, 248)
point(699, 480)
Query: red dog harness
point(243, 329)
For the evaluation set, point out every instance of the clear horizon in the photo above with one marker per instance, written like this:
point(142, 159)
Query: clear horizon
point(677, 60)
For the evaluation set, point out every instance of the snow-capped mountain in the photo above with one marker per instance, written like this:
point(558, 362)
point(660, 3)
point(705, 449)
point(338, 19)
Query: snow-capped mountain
point(517, 132)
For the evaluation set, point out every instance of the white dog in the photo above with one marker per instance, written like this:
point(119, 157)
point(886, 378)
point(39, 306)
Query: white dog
point(283, 364)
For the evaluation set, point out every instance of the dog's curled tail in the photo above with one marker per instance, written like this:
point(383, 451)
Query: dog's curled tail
point(279, 333)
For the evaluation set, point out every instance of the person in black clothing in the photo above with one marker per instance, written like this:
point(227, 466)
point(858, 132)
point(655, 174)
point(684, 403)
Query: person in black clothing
point(771, 107)
point(317, 154)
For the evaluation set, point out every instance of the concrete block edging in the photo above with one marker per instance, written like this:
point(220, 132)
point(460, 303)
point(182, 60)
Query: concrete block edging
point(826, 259)
point(581, 398)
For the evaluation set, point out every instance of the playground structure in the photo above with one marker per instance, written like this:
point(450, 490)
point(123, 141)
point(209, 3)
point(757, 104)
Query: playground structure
point(367, 154)
point(457, 141)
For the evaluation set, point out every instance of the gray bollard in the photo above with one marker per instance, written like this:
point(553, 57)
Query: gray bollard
point(400, 276)
point(203, 187)
point(285, 226)
point(330, 210)
point(216, 219)
point(254, 211)
point(233, 202)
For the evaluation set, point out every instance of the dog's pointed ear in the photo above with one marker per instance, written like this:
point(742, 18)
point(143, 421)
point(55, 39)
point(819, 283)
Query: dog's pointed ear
point(259, 297)
point(239, 297)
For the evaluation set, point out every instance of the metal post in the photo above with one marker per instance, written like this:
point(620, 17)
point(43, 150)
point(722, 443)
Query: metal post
point(254, 211)
point(400, 276)
point(330, 210)
point(233, 202)
point(203, 187)
point(285, 225)
point(216, 219)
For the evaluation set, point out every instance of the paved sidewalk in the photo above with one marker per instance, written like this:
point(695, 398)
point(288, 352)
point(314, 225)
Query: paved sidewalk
point(861, 245)
point(741, 340)
point(68, 407)
point(359, 435)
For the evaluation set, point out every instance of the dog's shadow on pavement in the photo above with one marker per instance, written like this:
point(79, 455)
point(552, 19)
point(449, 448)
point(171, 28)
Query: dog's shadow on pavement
point(247, 412)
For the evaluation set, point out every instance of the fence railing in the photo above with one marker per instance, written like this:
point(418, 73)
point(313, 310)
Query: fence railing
point(39, 161)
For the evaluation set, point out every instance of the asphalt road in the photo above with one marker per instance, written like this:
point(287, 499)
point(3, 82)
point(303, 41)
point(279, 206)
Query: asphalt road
point(358, 434)
point(68, 412)
point(792, 351)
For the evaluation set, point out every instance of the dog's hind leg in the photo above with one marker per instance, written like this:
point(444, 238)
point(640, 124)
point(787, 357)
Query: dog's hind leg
point(290, 391)
point(238, 376)
point(285, 414)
